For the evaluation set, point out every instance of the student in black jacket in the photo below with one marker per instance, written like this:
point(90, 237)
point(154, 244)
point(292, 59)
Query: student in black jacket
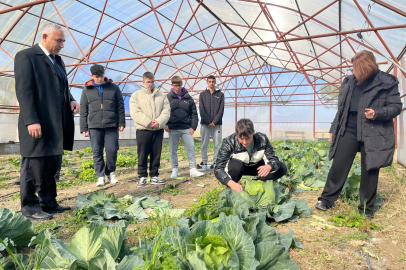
point(102, 115)
point(247, 152)
point(182, 124)
point(211, 107)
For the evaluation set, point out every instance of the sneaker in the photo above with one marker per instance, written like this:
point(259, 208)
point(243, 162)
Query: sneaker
point(200, 165)
point(204, 168)
point(195, 173)
point(100, 181)
point(174, 173)
point(112, 178)
point(142, 182)
point(323, 206)
point(156, 181)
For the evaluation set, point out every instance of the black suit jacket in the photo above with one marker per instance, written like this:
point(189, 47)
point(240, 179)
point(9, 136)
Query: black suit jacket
point(37, 89)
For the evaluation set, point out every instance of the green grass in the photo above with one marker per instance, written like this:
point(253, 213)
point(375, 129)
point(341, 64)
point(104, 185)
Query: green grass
point(356, 235)
point(209, 199)
point(158, 221)
point(173, 190)
point(16, 196)
point(353, 219)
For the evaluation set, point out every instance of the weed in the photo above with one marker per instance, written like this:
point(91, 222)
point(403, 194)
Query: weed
point(356, 235)
point(16, 196)
point(44, 226)
point(126, 161)
point(16, 161)
point(34, 262)
point(88, 175)
point(88, 150)
point(173, 190)
point(158, 220)
point(66, 161)
point(352, 220)
point(3, 185)
point(209, 199)
point(88, 164)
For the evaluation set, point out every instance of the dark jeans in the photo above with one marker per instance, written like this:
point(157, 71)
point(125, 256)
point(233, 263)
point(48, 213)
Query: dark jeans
point(38, 175)
point(347, 148)
point(236, 169)
point(149, 143)
point(100, 139)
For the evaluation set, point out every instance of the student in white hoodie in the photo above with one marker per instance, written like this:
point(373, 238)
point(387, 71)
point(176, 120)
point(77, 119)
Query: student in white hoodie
point(150, 110)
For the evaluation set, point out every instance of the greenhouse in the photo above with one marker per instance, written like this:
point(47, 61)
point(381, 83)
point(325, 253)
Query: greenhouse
point(280, 64)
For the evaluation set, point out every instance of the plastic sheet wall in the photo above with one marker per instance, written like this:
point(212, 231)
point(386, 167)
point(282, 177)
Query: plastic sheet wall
point(401, 120)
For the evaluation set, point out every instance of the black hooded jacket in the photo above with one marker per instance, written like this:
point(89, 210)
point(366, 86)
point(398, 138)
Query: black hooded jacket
point(381, 95)
point(97, 112)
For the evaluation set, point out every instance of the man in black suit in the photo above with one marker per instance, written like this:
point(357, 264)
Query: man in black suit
point(45, 124)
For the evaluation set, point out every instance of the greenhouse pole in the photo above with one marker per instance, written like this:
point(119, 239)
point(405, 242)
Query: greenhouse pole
point(314, 117)
point(235, 103)
point(395, 120)
point(270, 103)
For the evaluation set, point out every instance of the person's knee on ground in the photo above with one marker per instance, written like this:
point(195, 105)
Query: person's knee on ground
point(235, 169)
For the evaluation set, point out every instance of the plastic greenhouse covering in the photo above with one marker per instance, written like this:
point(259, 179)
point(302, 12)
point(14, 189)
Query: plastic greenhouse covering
point(278, 62)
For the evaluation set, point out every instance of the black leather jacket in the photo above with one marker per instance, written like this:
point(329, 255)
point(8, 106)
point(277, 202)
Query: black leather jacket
point(232, 148)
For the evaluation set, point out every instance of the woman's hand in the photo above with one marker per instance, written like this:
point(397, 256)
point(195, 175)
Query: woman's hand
point(331, 137)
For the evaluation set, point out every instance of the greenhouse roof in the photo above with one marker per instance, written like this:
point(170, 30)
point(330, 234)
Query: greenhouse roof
point(261, 51)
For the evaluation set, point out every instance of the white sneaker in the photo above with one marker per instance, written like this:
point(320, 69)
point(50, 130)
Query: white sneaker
point(156, 181)
point(100, 181)
point(174, 172)
point(142, 182)
point(195, 173)
point(112, 178)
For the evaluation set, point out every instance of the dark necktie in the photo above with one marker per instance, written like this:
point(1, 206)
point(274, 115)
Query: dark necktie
point(56, 66)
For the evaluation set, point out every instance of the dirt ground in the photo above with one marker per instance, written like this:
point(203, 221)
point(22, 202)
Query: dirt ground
point(334, 248)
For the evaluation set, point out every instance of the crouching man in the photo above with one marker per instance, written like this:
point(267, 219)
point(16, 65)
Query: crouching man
point(247, 153)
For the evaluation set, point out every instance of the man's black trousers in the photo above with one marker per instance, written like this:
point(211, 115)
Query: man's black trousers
point(149, 143)
point(38, 175)
point(236, 169)
point(347, 149)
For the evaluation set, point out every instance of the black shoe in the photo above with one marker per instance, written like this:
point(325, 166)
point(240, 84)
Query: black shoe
point(323, 206)
point(368, 216)
point(58, 209)
point(40, 216)
point(200, 165)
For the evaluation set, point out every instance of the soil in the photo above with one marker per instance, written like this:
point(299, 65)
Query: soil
point(334, 248)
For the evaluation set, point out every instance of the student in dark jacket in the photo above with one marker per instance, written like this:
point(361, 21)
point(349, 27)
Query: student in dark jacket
point(45, 123)
point(247, 152)
point(211, 107)
point(367, 103)
point(182, 124)
point(102, 115)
